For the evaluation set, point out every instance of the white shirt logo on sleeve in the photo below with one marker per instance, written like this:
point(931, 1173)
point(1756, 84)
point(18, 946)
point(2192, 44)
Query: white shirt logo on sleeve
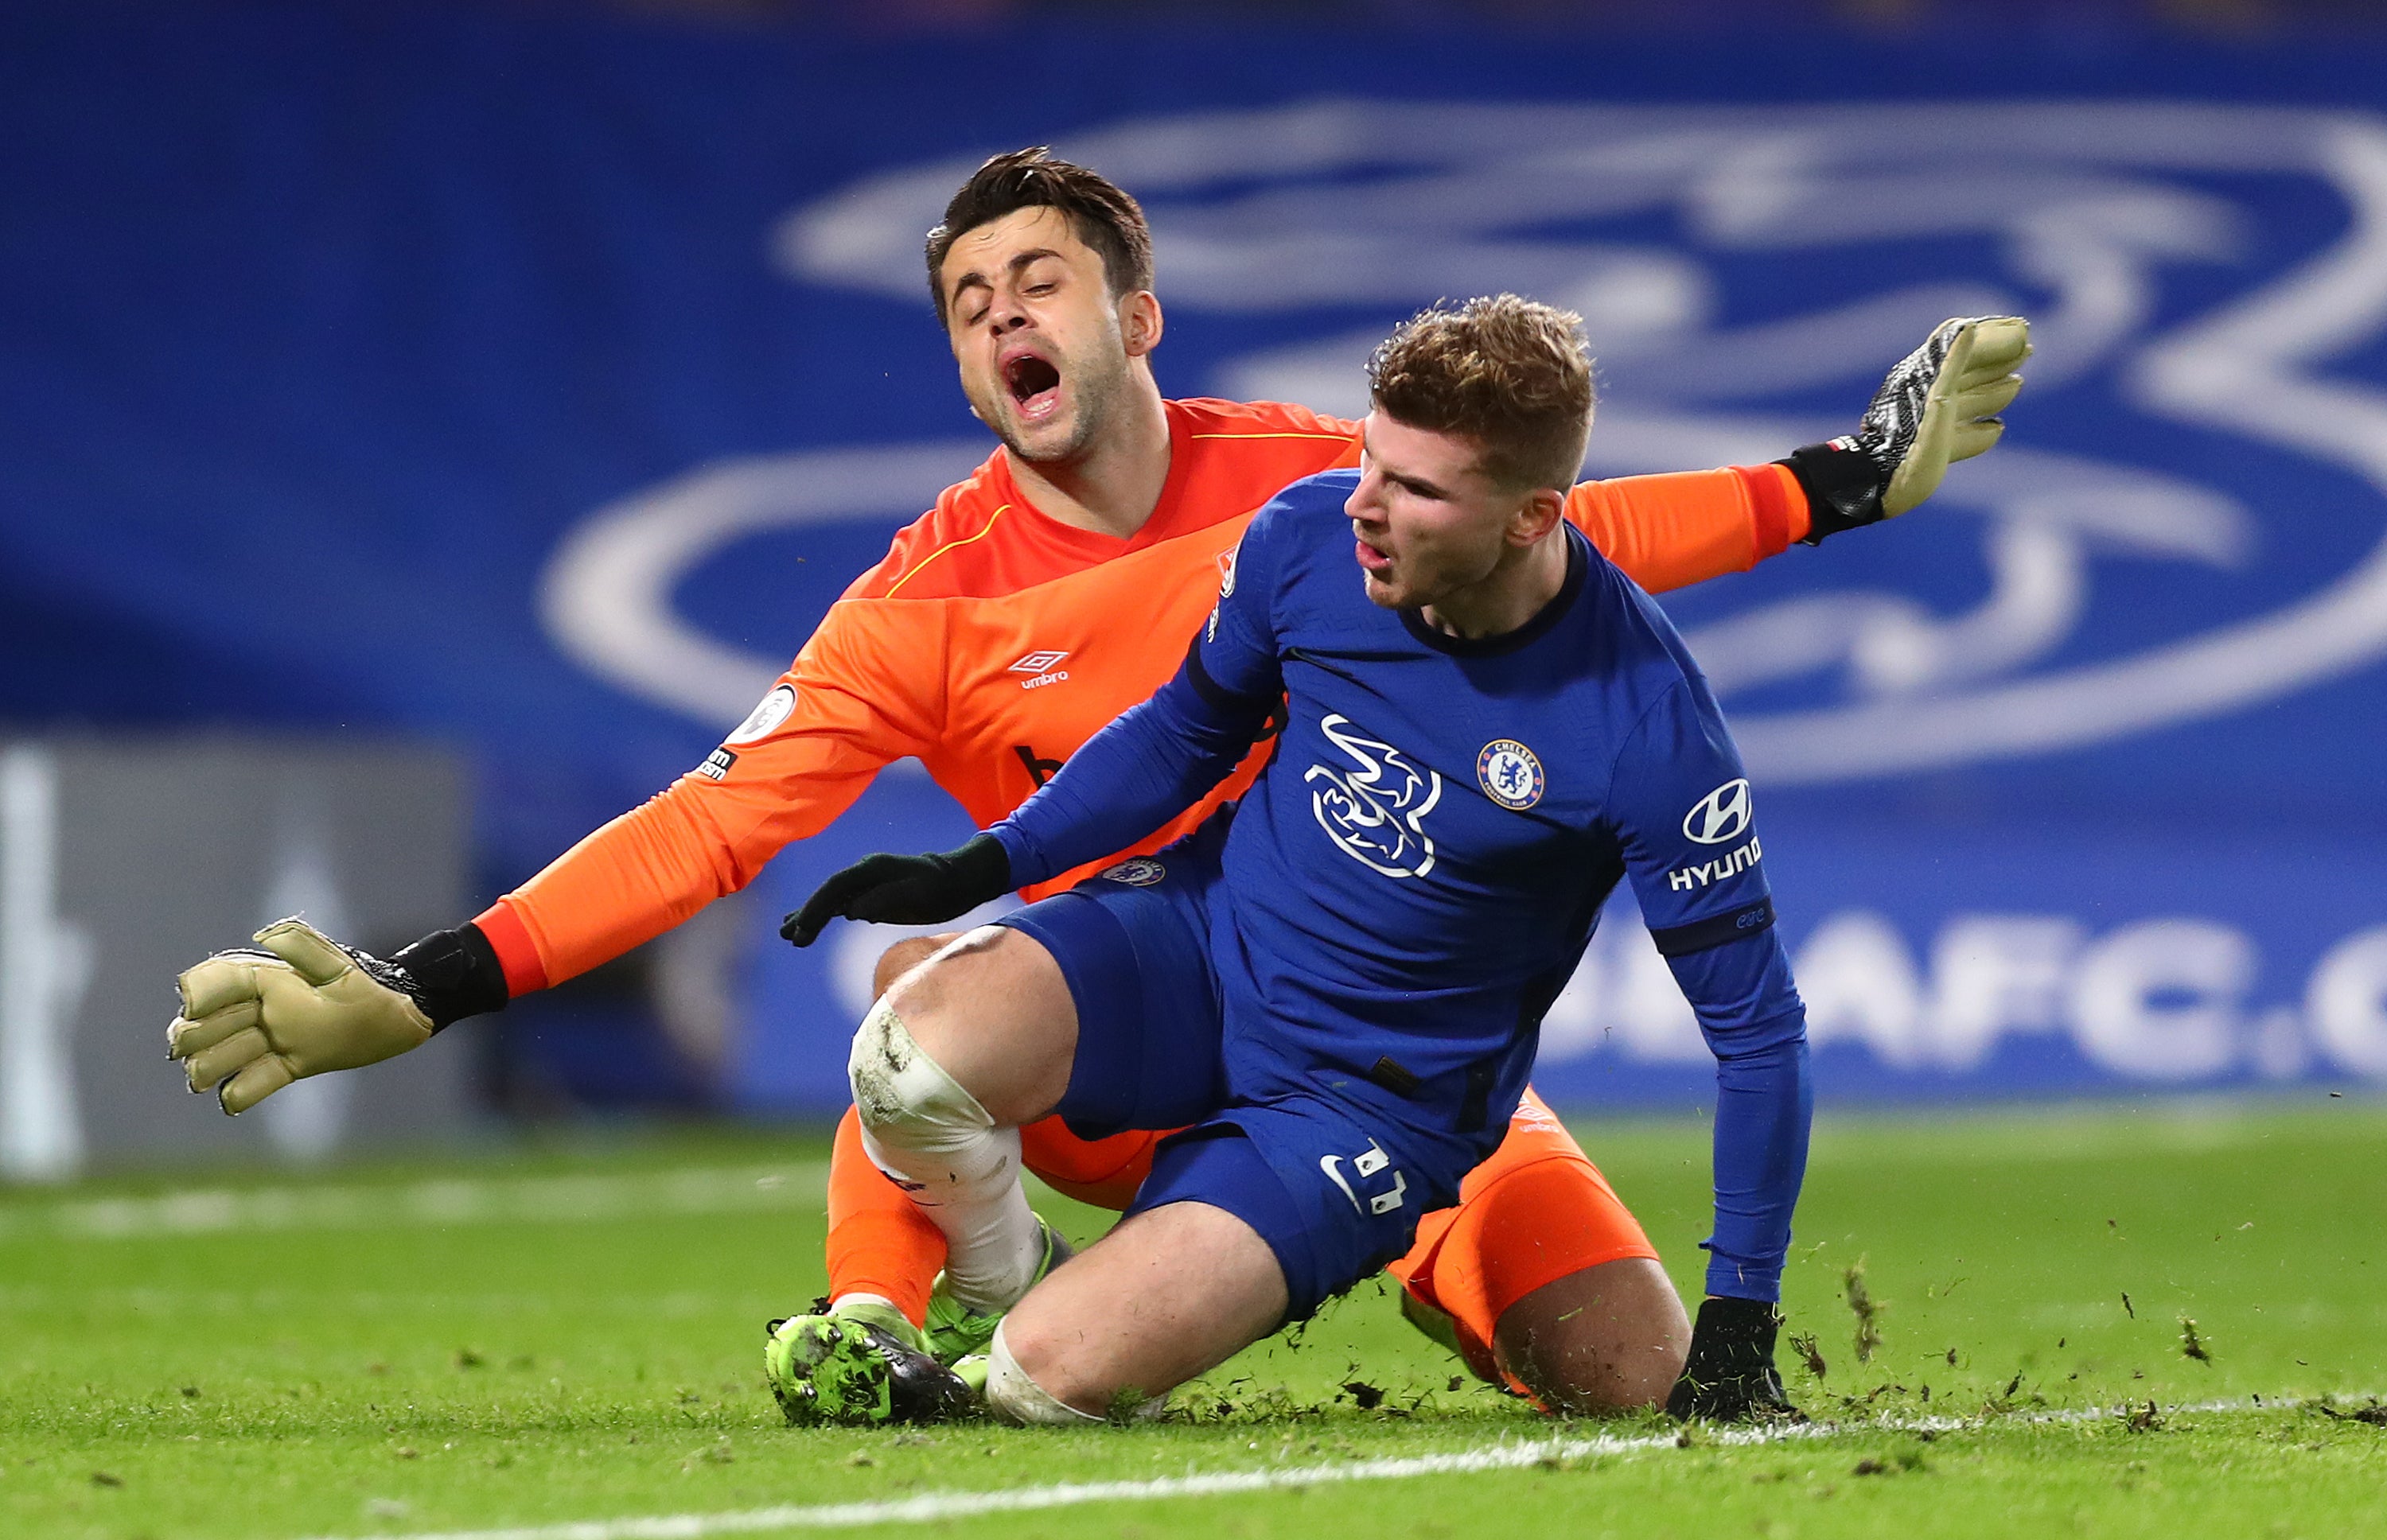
point(1375, 814)
point(765, 719)
point(1720, 816)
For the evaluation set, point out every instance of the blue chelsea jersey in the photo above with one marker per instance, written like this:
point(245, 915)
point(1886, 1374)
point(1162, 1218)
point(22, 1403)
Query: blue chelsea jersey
point(1414, 876)
point(1442, 818)
point(1421, 864)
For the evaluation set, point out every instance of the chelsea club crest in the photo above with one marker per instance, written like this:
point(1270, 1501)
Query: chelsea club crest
point(1136, 871)
point(1509, 774)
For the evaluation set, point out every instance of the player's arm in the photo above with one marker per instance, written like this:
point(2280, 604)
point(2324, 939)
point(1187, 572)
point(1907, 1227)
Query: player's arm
point(1151, 763)
point(863, 693)
point(1938, 406)
point(867, 689)
point(1678, 794)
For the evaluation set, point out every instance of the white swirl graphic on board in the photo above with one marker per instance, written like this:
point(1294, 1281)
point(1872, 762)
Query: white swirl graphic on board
point(1351, 205)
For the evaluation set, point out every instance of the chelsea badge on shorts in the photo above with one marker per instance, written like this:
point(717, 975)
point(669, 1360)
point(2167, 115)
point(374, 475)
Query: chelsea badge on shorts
point(1509, 774)
point(1136, 871)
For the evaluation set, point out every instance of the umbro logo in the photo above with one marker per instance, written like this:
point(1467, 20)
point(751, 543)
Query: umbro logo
point(1039, 667)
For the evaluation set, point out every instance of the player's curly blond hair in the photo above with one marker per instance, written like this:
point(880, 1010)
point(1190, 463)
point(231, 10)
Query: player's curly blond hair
point(1512, 373)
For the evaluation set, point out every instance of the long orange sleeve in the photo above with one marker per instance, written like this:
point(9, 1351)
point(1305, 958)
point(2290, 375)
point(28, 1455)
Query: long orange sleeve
point(866, 691)
point(1672, 530)
point(990, 643)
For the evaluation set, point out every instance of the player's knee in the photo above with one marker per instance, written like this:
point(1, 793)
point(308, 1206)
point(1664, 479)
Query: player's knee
point(1034, 1378)
point(1609, 1339)
point(900, 959)
point(1024, 1394)
point(902, 1095)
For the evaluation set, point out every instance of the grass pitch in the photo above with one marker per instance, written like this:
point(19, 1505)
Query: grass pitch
point(572, 1333)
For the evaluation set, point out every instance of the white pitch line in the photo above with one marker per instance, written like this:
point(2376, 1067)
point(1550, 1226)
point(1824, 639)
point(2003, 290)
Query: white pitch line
point(935, 1505)
point(516, 1200)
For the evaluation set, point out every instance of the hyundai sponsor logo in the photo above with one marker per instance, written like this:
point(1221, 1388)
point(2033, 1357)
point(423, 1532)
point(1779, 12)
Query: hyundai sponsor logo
point(1720, 816)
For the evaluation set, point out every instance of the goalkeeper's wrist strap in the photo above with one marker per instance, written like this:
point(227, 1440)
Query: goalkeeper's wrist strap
point(1843, 487)
point(454, 973)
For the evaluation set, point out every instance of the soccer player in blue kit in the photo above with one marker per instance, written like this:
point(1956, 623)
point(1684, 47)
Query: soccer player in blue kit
point(1338, 982)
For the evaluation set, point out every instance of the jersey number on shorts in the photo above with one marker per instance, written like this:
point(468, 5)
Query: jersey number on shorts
point(1366, 1163)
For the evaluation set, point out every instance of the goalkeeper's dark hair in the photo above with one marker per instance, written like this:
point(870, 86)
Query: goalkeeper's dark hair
point(1099, 210)
point(1512, 375)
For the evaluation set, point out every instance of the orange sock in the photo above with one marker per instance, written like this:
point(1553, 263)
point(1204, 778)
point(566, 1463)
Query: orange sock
point(878, 1244)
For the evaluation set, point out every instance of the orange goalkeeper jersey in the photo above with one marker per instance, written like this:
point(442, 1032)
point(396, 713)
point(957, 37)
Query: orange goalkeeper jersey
point(993, 641)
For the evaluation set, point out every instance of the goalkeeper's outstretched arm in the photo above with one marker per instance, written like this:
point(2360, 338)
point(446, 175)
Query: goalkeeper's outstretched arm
point(301, 1002)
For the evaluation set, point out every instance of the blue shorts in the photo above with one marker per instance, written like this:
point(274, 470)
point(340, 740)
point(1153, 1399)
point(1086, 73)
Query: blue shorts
point(1333, 1186)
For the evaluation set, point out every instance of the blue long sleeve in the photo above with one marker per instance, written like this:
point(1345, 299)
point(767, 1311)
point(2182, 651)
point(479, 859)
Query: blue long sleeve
point(1156, 760)
point(1754, 1023)
point(1147, 767)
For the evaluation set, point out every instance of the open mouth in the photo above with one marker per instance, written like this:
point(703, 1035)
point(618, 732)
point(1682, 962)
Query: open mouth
point(1034, 383)
point(1372, 560)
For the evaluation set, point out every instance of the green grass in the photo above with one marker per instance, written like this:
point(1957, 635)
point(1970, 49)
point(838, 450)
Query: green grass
point(569, 1350)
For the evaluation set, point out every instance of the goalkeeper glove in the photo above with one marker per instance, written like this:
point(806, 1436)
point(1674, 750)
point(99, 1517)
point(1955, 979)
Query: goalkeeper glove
point(905, 889)
point(1730, 1376)
point(1940, 405)
point(253, 1021)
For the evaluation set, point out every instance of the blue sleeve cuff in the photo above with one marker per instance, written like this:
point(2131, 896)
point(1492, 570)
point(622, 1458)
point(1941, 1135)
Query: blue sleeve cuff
point(1026, 870)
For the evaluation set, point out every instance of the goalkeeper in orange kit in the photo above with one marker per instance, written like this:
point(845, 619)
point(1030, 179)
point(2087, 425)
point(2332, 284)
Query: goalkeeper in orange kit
point(1058, 585)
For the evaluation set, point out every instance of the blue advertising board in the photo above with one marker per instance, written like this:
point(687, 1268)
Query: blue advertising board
point(535, 384)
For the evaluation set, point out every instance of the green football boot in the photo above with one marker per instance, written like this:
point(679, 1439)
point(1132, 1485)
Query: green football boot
point(860, 1365)
point(954, 1333)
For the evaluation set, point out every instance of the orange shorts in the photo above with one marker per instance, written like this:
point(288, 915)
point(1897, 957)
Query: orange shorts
point(1536, 1211)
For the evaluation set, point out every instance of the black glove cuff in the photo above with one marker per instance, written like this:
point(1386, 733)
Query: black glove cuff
point(453, 974)
point(981, 866)
point(1734, 1338)
point(1843, 487)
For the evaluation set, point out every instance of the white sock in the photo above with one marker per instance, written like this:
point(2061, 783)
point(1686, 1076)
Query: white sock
point(970, 1190)
point(929, 1133)
point(861, 1298)
point(1017, 1399)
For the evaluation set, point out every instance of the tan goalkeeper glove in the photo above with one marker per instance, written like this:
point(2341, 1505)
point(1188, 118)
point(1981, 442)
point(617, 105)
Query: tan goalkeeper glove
point(1940, 405)
point(253, 1021)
